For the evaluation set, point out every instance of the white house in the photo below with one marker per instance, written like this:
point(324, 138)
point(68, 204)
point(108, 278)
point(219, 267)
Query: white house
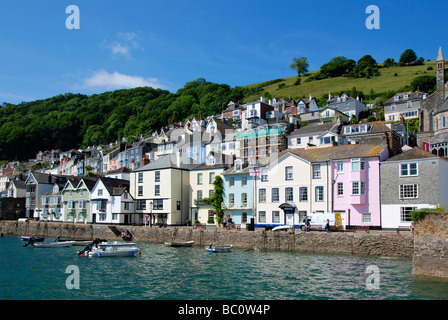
point(111, 202)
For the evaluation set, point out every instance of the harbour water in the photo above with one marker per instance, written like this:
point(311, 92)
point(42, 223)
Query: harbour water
point(166, 273)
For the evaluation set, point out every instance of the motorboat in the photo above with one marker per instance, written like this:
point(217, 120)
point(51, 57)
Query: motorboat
point(179, 243)
point(222, 248)
point(116, 244)
point(111, 252)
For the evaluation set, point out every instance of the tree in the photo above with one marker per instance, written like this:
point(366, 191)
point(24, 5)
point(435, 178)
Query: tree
point(300, 65)
point(217, 199)
point(407, 57)
point(366, 67)
point(389, 62)
point(424, 83)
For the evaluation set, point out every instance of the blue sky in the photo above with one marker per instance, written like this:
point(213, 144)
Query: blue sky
point(164, 44)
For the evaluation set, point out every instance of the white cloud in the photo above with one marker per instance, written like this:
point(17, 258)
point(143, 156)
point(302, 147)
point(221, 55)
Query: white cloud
point(118, 48)
point(115, 80)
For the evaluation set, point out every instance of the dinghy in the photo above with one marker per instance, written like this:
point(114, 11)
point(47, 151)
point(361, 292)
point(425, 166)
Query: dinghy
point(111, 252)
point(223, 248)
point(179, 243)
point(59, 244)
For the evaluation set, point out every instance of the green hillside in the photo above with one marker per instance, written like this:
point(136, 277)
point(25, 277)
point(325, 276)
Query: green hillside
point(391, 80)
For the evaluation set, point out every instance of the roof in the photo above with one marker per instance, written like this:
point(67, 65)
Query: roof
point(169, 162)
point(440, 55)
point(317, 128)
point(412, 97)
point(442, 108)
point(112, 185)
point(441, 137)
point(364, 150)
point(412, 154)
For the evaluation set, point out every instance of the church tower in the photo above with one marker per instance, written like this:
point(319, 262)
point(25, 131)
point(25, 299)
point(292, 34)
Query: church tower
point(440, 74)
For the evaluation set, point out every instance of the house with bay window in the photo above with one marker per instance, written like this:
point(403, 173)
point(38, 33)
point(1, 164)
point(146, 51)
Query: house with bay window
point(76, 200)
point(111, 202)
point(356, 183)
point(412, 180)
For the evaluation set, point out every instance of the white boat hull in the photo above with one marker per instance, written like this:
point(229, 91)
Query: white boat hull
point(114, 252)
point(179, 244)
point(116, 244)
point(61, 244)
point(282, 228)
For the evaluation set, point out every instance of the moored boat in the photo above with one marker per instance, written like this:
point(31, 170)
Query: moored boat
point(179, 243)
point(111, 252)
point(58, 244)
point(115, 244)
point(222, 248)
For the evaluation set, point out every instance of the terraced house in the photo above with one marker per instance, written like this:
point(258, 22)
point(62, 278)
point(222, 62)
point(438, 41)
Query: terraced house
point(76, 200)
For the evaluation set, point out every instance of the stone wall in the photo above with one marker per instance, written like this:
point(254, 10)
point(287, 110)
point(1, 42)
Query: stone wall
point(431, 247)
point(378, 244)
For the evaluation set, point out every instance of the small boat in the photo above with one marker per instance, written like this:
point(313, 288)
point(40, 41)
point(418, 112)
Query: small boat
point(281, 228)
point(179, 243)
point(36, 239)
point(111, 252)
point(223, 248)
point(58, 244)
point(115, 244)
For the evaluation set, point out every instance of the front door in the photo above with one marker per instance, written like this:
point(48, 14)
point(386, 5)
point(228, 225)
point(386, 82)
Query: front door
point(289, 218)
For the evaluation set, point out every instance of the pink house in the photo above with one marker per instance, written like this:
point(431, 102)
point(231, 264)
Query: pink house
point(356, 185)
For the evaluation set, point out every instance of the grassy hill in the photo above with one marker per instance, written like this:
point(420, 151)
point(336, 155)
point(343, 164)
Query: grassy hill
point(392, 79)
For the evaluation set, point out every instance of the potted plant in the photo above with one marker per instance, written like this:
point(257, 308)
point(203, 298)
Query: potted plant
point(188, 222)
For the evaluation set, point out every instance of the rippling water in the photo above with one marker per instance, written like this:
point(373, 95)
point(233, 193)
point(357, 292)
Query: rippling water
point(194, 274)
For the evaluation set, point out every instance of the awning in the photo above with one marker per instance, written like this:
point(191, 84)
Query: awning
point(287, 207)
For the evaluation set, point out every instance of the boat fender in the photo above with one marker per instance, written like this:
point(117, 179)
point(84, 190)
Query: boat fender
point(99, 255)
point(132, 252)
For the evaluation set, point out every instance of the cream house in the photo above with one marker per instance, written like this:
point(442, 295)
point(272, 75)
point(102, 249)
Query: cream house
point(161, 190)
point(201, 187)
point(296, 185)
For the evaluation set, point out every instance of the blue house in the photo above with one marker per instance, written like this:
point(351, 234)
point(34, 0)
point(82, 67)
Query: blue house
point(238, 193)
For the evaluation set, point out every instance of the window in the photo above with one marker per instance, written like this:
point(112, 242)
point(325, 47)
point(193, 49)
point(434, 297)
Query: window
point(275, 195)
point(288, 173)
point(303, 194)
point(199, 195)
point(275, 216)
point(262, 216)
point(408, 169)
point(319, 193)
point(244, 181)
point(178, 205)
point(310, 140)
point(289, 195)
point(141, 204)
point(264, 175)
point(340, 188)
point(340, 165)
point(244, 199)
point(211, 177)
point(231, 199)
point(299, 141)
point(210, 193)
point(408, 191)
point(232, 182)
point(157, 190)
point(405, 213)
point(358, 188)
point(157, 176)
point(316, 171)
point(199, 178)
point(325, 140)
point(82, 204)
point(244, 217)
point(140, 191)
point(366, 218)
point(157, 204)
point(100, 191)
point(140, 177)
point(71, 204)
point(358, 164)
point(262, 195)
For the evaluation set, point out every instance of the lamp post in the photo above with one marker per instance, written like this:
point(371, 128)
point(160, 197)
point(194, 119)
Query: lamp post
point(150, 213)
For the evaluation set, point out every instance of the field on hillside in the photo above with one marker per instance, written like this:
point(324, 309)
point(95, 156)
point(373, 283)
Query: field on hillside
point(387, 81)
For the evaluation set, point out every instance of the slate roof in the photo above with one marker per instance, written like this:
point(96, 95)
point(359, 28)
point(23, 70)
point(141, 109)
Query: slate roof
point(167, 162)
point(412, 154)
point(364, 150)
point(317, 128)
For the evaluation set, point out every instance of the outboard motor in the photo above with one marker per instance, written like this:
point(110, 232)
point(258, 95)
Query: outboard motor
point(87, 248)
point(31, 242)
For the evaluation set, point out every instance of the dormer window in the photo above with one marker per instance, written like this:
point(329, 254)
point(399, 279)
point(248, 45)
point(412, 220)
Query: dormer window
point(396, 98)
point(406, 97)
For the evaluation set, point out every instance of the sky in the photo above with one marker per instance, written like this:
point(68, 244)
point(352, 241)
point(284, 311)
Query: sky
point(164, 44)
